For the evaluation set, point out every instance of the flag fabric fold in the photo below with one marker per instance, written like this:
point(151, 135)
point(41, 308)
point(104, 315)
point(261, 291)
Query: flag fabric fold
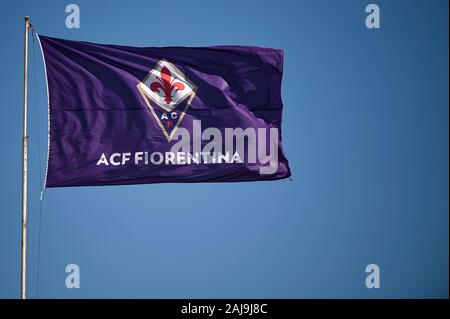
point(131, 115)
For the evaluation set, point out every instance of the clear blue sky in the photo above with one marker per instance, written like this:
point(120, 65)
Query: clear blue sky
point(365, 129)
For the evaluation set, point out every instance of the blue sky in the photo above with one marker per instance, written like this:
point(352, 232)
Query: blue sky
point(365, 130)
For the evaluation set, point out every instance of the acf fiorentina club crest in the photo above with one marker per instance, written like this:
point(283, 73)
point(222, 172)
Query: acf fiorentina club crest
point(168, 94)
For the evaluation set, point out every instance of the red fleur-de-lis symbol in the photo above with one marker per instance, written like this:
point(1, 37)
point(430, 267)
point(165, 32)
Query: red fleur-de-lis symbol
point(166, 83)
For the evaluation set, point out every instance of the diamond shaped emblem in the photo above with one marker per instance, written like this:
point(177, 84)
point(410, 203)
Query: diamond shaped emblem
point(168, 94)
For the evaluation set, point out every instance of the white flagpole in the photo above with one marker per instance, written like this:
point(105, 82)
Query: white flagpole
point(24, 165)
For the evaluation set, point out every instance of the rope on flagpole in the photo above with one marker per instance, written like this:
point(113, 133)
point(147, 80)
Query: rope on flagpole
point(48, 114)
point(33, 33)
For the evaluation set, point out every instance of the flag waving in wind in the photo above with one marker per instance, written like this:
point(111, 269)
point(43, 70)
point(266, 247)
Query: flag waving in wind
point(128, 115)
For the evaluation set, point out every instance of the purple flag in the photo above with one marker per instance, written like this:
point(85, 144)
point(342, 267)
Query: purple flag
point(129, 115)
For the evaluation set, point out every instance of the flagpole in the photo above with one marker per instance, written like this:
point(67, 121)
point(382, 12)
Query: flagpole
point(24, 164)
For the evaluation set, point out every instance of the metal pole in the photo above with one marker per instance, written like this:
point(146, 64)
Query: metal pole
point(24, 165)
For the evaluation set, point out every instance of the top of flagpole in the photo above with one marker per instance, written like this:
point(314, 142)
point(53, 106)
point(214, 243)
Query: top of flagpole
point(28, 24)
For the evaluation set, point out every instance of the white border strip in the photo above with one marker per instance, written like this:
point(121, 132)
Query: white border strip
point(48, 115)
